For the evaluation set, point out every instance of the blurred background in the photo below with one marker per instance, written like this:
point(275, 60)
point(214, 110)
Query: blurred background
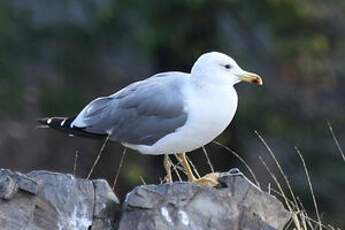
point(56, 56)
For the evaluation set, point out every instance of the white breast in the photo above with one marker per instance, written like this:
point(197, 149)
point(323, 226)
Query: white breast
point(210, 110)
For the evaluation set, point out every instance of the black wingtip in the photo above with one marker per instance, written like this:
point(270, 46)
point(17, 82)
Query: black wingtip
point(54, 122)
point(63, 124)
point(42, 121)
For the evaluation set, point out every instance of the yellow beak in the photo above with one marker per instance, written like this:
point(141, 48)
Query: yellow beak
point(250, 77)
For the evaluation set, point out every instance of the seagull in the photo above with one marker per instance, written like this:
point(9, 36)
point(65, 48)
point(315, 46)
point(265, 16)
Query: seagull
point(167, 113)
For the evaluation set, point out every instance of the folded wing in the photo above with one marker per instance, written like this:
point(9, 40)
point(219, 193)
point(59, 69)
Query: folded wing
point(141, 113)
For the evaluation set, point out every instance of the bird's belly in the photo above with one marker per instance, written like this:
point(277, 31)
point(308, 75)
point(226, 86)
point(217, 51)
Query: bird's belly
point(207, 118)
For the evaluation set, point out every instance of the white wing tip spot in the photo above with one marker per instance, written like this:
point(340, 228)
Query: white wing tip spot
point(62, 122)
point(49, 121)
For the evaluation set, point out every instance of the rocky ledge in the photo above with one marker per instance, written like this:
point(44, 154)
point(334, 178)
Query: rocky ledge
point(49, 200)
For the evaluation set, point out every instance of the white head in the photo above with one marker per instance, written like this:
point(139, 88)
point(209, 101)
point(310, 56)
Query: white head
point(218, 68)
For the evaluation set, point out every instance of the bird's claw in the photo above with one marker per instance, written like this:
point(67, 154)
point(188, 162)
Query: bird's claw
point(210, 179)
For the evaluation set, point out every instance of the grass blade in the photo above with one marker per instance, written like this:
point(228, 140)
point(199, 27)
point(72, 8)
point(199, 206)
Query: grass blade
point(310, 187)
point(336, 141)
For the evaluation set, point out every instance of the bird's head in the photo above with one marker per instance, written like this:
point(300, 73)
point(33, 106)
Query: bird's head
point(221, 69)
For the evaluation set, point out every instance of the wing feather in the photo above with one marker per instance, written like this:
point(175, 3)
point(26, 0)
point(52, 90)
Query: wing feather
point(141, 113)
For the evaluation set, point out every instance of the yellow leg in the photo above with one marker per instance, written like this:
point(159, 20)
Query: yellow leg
point(167, 167)
point(209, 179)
point(186, 166)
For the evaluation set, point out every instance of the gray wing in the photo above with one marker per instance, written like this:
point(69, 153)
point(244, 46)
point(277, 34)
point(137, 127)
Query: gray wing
point(141, 113)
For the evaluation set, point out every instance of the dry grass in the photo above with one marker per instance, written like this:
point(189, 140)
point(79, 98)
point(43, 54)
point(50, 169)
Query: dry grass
point(336, 141)
point(119, 168)
point(278, 165)
point(300, 219)
point(75, 160)
point(208, 159)
point(252, 174)
point(100, 152)
point(310, 187)
point(193, 167)
point(98, 157)
point(175, 168)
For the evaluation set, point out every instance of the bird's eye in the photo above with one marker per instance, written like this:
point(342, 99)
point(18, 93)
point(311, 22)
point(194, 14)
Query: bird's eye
point(227, 66)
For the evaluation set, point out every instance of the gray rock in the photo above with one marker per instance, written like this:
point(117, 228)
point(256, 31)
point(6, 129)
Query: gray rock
point(10, 182)
point(47, 200)
point(235, 204)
